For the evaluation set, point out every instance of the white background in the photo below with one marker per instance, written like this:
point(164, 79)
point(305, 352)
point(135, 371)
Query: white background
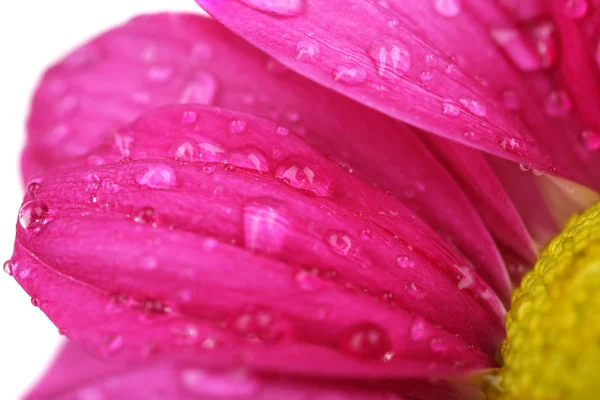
point(32, 35)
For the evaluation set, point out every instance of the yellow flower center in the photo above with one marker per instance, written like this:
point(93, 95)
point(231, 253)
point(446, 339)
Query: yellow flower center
point(552, 349)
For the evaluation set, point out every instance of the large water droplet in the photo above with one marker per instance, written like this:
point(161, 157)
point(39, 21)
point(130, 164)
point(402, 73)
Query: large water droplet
point(35, 302)
point(258, 324)
point(265, 225)
point(145, 215)
point(188, 117)
point(574, 9)
point(219, 385)
point(558, 104)
point(184, 149)
point(282, 8)
point(591, 140)
point(465, 279)
point(33, 214)
point(365, 340)
point(158, 177)
point(308, 50)
point(350, 75)
point(202, 90)
point(249, 158)
point(448, 8)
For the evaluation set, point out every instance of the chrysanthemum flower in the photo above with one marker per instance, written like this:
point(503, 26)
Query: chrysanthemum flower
point(333, 209)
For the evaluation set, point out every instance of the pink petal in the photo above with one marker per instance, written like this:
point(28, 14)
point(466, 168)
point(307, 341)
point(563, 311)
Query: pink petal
point(242, 254)
point(435, 64)
point(75, 375)
point(196, 55)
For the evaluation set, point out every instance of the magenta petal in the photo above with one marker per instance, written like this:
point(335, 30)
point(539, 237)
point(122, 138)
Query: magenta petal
point(441, 66)
point(254, 249)
point(196, 59)
point(74, 375)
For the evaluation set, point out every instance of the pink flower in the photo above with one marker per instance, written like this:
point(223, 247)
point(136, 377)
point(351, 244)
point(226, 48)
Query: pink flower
point(299, 234)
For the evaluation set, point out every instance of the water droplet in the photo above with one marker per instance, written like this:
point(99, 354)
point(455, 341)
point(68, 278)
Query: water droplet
point(33, 214)
point(591, 140)
point(365, 340)
point(114, 343)
point(350, 75)
point(220, 385)
point(33, 188)
point(281, 8)
point(558, 104)
point(537, 172)
point(306, 280)
point(159, 73)
point(308, 50)
point(450, 109)
point(237, 126)
point(426, 76)
point(524, 167)
point(155, 307)
point(339, 242)
point(474, 106)
point(184, 150)
point(265, 225)
point(391, 58)
point(418, 330)
point(301, 176)
point(438, 346)
point(466, 278)
point(511, 100)
point(158, 177)
point(145, 215)
point(575, 9)
point(259, 324)
point(405, 262)
point(188, 117)
point(448, 8)
point(123, 142)
point(9, 267)
point(282, 131)
point(202, 90)
point(35, 302)
point(249, 158)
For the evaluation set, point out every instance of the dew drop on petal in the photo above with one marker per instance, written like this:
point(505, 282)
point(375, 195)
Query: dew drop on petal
point(159, 73)
point(201, 90)
point(591, 140)
point(9, 267)
point(418, 330)
point(450, 109)
point(219, 385)
point(265, 225)
point(237, 126)
point(33, 188)
point(114, 343)
point(448, 8)
point(158, 177)
point(474, 106)
point(339, 242)
point(405, 262)
point(307, 50)
point(365, 340)
point(35, 302)
point(575, 9)
point(558, 104)
point(466, 278)
point(391, 59)
point(145, 215)
point(188, 117)
point(350, 75)
point(282, 131)
point(303, 177)
point(307, 280)
point(184, 150)
point(281, 8)
point(33, 214)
